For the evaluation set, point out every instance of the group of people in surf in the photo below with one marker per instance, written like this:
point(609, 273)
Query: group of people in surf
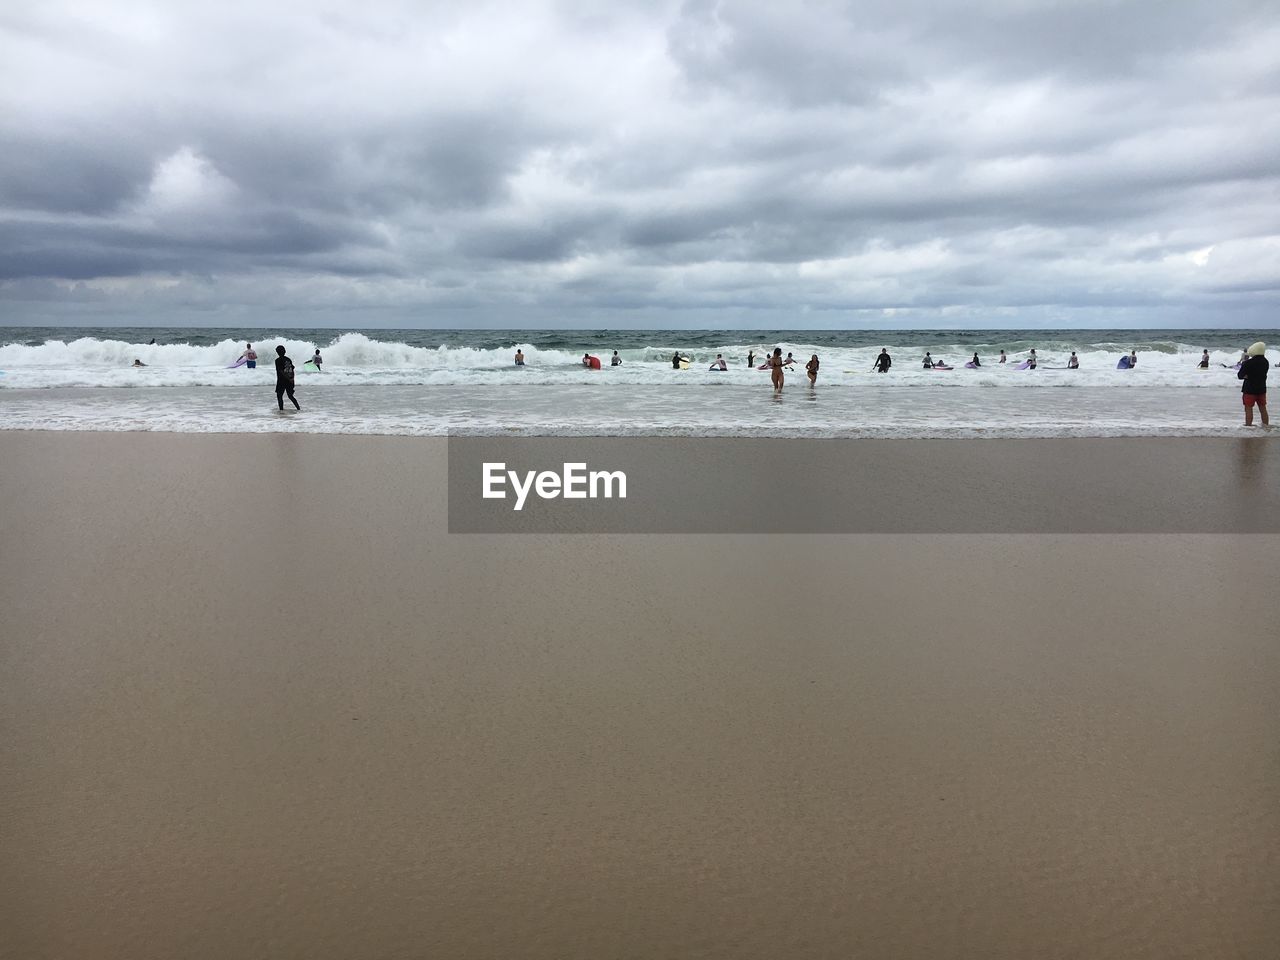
point(777, 364)
point(250, 358)
point(884, 361)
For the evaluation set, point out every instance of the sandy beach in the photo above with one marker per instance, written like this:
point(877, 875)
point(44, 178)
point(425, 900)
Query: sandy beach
point(257, 702)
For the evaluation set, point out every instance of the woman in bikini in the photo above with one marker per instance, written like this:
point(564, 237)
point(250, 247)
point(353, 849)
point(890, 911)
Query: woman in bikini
point(775, 365)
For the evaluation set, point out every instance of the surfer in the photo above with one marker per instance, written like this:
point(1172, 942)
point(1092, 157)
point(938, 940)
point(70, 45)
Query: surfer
point(1074, 362)
point(1033, 359)
point(719, 364)
point(790, 361)
point(811, 368)
point(675, 361)
point(138, 363)
point(589, 361)
point(775, 367)
point(928, 361)
point(1133, 359)
point(1204, 360)
point(317, 360)
point(751, 359)
point(519, 357)
point(975, 361)
point(615, 360)
point(1253, 371)
point(1003, 358)
point(883, 362)
point(151, 343)
point(250, 358)
point(284, 379)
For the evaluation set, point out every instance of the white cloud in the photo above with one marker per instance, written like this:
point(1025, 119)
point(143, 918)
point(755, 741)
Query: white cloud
point(939, 162)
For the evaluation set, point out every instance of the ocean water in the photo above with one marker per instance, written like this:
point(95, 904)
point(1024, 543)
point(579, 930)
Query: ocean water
point(433, 382)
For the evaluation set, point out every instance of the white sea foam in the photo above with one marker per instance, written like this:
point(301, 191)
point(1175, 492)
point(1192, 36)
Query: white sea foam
point(353, 358)
point(873, 409)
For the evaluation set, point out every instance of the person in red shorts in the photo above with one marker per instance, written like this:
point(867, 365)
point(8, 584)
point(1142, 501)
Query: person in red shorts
point(1253, 371)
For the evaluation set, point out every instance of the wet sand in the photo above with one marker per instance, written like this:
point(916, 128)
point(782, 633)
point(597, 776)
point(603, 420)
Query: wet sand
point(256, 702)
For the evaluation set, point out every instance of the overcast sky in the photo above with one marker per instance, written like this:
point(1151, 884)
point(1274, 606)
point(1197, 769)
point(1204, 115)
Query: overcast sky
point(699, 164)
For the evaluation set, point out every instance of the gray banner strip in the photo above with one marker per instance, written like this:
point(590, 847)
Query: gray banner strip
point(686, 485)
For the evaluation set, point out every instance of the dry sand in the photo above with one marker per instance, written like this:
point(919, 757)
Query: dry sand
point(255, 702)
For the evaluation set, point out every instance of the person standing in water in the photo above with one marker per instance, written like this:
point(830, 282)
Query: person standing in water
point(519, 357)
point(675, 361)
point(1254, 389)
point(1003, 358)
point(1133, 359)
point(1033, 359)
point(928, 361)
point(317, 360)
point(1204, 360)
point(883, 362)
point(615, 360)
point(811, 368)
point(1074, 362)
point(284, 379)
point(751, 359)
point(775, 369)
point(249, 357)
point(975, 361)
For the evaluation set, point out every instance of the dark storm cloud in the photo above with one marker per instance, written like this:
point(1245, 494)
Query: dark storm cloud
point(842, 158)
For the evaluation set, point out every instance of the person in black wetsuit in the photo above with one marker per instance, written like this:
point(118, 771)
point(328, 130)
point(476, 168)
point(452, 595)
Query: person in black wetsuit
point(284, 379)
point(675, 361)
point(1253, 371)
point(883, 362)
point(751, 359)
point(975, 361)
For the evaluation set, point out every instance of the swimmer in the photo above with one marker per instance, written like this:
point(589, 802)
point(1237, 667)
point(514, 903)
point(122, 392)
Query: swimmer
point(519, 357)
point(776, 363)
point(811, 368)
point(284, 379)
point(138, 363)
